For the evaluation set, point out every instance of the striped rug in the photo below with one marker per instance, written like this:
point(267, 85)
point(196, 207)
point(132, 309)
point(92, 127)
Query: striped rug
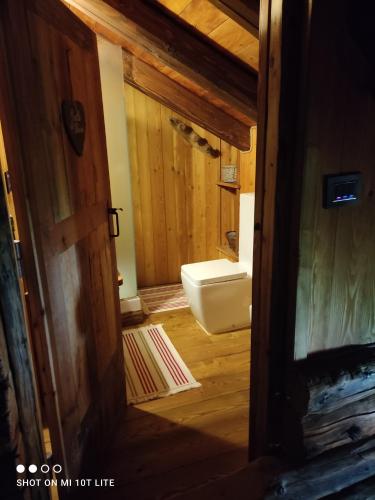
point(153, 367)
point(163, 298)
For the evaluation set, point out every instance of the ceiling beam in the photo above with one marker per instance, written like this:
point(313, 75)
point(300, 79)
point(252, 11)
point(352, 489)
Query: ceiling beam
point(144, 26)
point(166, 91)
point(244, 12)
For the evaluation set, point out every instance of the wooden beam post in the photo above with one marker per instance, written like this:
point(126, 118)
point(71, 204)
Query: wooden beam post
point(164, 90)
point(144, 26)
point(284, 29)
point(12, 314)
point(245, 13)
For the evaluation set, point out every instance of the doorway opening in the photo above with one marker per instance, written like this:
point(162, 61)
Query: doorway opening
point(205, 428)
point(195, 434)
point(206, 207)
point(186, 207)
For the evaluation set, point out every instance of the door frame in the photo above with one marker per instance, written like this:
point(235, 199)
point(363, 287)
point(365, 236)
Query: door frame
point(17, 345)
point(282, 93)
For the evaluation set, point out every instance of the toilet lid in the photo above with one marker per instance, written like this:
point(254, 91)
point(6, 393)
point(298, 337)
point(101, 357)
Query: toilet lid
point(213, 271)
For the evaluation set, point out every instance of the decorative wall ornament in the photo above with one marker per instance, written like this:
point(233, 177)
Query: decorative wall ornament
point(73, 115)
point(193, 138)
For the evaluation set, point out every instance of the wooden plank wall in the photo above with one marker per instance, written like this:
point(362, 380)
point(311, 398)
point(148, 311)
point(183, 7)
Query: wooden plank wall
point(336, 298)
point(229, 199)
point(228, 202)
point(175, 197)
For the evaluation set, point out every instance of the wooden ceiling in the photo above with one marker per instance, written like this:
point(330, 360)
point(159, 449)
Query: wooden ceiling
point(214, 23)
point(182, 52)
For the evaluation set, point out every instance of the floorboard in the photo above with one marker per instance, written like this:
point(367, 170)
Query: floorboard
point(178, 445)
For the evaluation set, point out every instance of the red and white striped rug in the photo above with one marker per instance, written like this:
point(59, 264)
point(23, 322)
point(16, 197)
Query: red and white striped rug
point(153, 367)
point(163, 298)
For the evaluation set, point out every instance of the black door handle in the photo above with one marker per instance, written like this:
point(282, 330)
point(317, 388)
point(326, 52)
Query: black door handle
point(113, 211)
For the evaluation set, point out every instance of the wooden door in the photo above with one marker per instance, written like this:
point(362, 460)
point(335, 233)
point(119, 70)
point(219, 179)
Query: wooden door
point(68, 195)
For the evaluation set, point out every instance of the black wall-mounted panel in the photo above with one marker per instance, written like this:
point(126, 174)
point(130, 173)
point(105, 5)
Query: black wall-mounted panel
point(341, 190)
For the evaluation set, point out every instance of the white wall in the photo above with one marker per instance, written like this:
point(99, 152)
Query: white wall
point(111, 75)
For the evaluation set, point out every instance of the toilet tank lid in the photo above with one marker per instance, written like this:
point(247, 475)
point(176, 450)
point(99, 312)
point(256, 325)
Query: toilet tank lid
point(213, 271)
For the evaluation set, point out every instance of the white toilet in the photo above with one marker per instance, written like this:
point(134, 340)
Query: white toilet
point(219, 291)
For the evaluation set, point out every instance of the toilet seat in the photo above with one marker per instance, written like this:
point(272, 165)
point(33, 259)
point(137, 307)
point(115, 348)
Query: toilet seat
point(213, 271)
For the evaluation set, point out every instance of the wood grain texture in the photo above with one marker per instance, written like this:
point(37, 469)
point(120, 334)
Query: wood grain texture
point(238, 20)
point(118, 37)
point(247, 162)
point(78, 274)
point(153, 29)
point(229, 197)
point(239, 41)
point(331, 401)
point(21, 405)
point(191, 214)
point(332, 394)
point(352, 422)
point(175, 193)
point(330, 474)
point(201, 14)
point(191, 136)
point(336, 299)
point(168, 92)
point(229, 202)
point(178, 444)
point(283, 33)
point(38, 326)
point(361, 491)
point(264, 220)
point(245, 13)
point(11, 435)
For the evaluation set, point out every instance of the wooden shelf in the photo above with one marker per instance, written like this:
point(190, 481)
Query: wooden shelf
point(228, 185)
point(228, 252)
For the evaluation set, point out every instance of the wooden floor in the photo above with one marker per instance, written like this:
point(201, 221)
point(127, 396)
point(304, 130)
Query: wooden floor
point(177, 446)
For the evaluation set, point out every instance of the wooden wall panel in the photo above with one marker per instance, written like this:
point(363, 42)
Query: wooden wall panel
point(229, 199)
point(175, 197)
point(336, 298)
point(229, 202)
point(247, 163)
point(213, 22)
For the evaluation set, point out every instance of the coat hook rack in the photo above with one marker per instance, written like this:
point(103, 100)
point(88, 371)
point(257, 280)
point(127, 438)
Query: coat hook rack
point(193, 138)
